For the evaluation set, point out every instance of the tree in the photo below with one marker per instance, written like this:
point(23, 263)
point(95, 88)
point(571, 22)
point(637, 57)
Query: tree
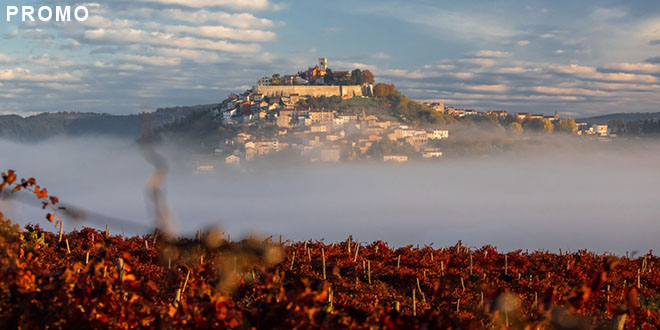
point(329, 78)
point(383, 90)
point(566, 125)
point(620, 126)
point(539, 124)
point(368, 77)
point(515, 127)
point(276, 80)
point(356, 77)
point(632, 128)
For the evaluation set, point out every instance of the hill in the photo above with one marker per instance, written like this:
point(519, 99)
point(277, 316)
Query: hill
point(625, 117)
point(46, 125)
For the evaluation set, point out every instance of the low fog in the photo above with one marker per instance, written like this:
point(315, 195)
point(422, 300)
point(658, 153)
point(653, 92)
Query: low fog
point(604, 199)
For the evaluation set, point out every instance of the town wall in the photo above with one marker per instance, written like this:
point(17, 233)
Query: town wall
point(315, 91)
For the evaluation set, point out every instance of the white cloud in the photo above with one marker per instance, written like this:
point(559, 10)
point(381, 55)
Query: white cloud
point(222, 32)
point(22, 74)
point(380, 56)
point(135, 36)
point(570, 91)
point(464, 75)
point(234, 4)
point(152, 60)
point(130, 67)
point(589, 72)
point(239, 20)
point(634, 67)
point(488, 88)
point(492, 53)
point(485, 62)
point(199, 56)
point(523, 42)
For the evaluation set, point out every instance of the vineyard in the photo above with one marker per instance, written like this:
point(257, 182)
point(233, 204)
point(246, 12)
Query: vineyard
point(93, 279)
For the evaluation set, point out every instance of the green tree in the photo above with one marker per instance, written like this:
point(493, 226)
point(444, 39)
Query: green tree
point(387, 147)
point(620, 126)
point(276, 80)
point(356, 77)
point(329, 78)
point(566, 125)
point(632, 128)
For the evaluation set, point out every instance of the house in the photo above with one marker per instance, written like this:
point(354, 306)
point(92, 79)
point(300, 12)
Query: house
point(243, 137)
point(437, 106)
point(319, 129)
point(332, 137)
point(395, 158)
point(420, 137)
point(318, 116)
point(439, 134)
point(348, 118)
point(232, 160)
point(522, 115)
point(454, 112)
point(499, 113)
point(285, 118)
point(431, 153)
point(250, 153)
point(373, 131)
point(265, 81)
point(330, 155)
point(294, 98)
point(341, 75)
point(381, 124)
point(303, 120)
point(403, 132)
point(338, 121)
point(204, 169)
point(600, 130)
point(369, 120)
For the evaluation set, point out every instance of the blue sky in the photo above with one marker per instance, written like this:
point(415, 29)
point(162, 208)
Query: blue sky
point(578, 57)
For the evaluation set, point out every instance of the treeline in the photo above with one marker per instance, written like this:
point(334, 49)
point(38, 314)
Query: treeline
point(649, 126)
point(46, 125)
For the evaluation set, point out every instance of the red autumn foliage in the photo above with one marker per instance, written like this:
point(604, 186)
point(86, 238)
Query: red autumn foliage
point(153, 282)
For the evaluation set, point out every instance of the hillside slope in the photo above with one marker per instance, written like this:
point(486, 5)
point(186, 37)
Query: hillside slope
point(46, 125)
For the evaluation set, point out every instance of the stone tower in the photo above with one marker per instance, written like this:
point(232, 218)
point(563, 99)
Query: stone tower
point(323, 63)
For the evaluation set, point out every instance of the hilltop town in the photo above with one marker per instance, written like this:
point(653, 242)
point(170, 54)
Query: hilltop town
point(321, 115)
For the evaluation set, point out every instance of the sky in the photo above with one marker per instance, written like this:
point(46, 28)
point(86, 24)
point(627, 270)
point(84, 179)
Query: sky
point(580, 58)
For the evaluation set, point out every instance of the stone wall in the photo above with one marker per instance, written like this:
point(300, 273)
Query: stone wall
point(315, 91)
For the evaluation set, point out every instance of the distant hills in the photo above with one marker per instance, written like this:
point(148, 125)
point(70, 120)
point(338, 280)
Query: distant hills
point(625, 117)
point(47, 125)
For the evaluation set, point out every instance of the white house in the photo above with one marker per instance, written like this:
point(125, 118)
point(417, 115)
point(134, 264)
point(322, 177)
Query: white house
point(265, 81)
point(232, 160)
point(601, 130)
point(439, 134)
